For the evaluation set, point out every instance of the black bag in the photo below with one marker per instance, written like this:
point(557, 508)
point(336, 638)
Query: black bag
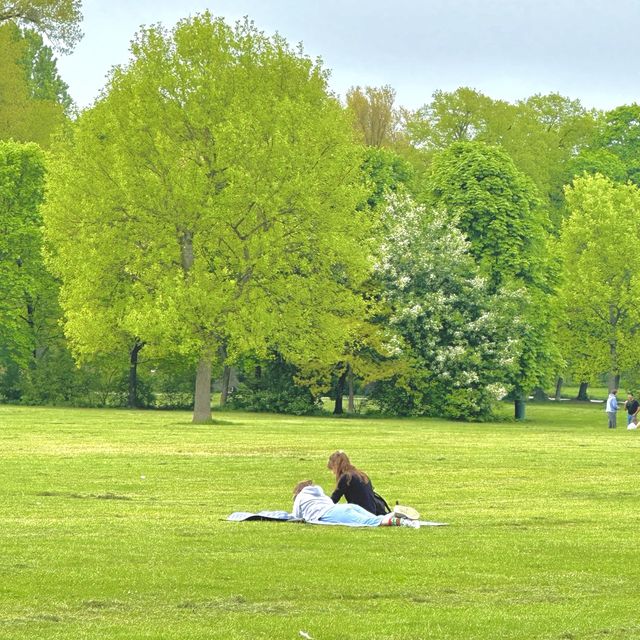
point(382, 508)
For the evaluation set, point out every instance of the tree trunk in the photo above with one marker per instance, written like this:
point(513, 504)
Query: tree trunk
point(226, 375)
point(31, 324)
point(202, 397)
point(558, 394)
point(337, 409)
point(613, 381)
point(132, 401)
point(351, 406)
point(614, 374)
point(582, 392)
point(224, 391)
point(202, 400)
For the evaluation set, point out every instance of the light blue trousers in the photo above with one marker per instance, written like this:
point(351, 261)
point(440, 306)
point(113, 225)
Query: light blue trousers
point(352, 515)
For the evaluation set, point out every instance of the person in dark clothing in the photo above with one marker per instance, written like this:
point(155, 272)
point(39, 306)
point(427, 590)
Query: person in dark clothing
point(351, 483)
point(632, 406)
point(355, 486)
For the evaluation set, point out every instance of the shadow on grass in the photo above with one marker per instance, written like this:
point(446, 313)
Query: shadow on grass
point(83, 496)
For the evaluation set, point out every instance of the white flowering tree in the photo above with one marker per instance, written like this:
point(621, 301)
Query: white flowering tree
point(457, 331)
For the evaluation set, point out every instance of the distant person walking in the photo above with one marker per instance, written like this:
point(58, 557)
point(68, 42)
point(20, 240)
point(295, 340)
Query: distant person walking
point(611, 408)
point(632, 406)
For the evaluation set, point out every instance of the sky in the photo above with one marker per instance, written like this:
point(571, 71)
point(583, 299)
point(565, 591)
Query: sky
point(507, 49)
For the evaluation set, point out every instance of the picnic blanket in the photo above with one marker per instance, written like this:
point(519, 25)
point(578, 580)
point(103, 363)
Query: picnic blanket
point(284, 516)
point(241, 516)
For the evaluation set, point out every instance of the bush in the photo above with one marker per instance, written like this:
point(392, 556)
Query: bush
point(271, 387)
point(419, 398)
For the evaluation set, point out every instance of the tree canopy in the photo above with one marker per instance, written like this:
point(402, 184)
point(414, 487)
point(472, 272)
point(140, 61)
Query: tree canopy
point(21, 191)
point(373, 112)
point(456, 331)
point(496, 207)
point(600, 284)
point(220, 176)
point(29, 110)
point(59, 20)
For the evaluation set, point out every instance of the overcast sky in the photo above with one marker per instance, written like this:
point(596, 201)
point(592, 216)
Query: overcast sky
point(508, 49)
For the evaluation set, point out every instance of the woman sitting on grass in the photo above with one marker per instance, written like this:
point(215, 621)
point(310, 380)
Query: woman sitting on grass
point(312, 505)
point(351, 483)
point(355, 486)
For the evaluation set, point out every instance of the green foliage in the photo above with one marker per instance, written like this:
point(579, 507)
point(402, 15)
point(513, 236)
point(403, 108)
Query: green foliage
point(600, 285)
point(35, 366)
point(620, 135)
point(397, 396)
point(459, 116)
point(59, 20)
point(385, 172)
point(29, 112)
point(213, 192)
point(602, 161)
point(457, 332)
point(373, 114)
point(21, 270)
point(171, 381)
point(271, 386)
point(496, 209)
point(53, 379)
point(42, 73)
point(541, 134)
point(546, 133)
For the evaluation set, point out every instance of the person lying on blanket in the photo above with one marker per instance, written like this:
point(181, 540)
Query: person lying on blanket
point(311, 504)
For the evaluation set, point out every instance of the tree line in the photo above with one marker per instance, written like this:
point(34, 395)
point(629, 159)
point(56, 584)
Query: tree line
point(219, 215)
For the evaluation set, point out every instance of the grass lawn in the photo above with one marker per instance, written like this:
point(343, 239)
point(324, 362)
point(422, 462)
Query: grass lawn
point(594, 392)
point(112, 525)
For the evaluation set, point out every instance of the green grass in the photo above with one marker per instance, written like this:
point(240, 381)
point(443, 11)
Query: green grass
point(594, 392)
point(112, 526)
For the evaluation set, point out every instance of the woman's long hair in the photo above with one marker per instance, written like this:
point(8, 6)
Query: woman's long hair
point(340, 465)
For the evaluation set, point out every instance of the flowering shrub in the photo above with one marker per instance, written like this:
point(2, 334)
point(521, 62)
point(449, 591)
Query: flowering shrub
point(461, 335)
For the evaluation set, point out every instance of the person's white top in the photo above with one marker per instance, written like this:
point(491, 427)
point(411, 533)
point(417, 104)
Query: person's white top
point(612, 403)
point(311, 504)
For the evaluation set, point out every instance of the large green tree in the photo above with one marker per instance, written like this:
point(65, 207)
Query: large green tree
point(373, 114)
point(619, 136)
point(41, 68)
point(497, 209)
point(459, 116)
point(21, 190)
point(29, 112)
point(455, 331)
point(218, 177)
point(29, 313)
point(600, 277)
point(541, 134)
